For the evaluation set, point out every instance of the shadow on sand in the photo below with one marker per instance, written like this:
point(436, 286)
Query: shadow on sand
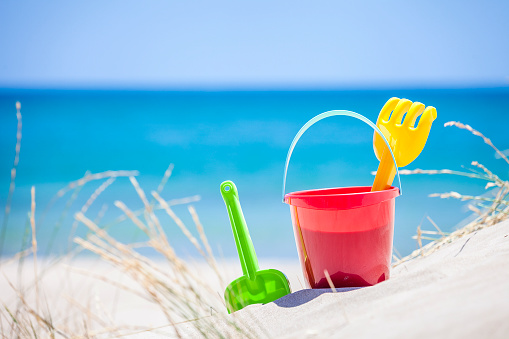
point(303, 296)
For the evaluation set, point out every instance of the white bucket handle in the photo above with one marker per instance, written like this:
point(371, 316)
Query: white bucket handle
point(330, 114)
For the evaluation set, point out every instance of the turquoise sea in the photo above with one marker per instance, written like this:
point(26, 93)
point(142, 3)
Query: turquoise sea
point(238, 135)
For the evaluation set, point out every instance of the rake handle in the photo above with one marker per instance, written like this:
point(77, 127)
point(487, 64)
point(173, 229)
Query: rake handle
point(385, 173)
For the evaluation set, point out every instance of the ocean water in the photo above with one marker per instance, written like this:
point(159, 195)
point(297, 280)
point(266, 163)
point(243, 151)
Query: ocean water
point(241, 136)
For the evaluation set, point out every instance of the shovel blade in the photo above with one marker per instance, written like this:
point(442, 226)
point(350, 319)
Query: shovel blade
point(268, 285)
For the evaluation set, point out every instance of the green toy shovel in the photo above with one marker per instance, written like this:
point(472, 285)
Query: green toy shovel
point(255, 286)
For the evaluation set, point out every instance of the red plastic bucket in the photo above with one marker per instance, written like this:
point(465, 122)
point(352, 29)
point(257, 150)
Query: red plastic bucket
point(345, 232)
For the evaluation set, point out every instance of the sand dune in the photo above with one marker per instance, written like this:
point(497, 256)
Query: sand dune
point(460, 291)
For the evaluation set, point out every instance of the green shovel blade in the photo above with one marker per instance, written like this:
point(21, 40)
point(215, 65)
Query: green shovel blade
point(255, 286)
point(268, 285)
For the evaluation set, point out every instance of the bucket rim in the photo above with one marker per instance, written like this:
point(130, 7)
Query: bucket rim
point(335, 199)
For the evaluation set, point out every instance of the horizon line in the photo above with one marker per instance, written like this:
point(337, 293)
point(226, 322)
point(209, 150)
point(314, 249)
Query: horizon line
point(298, 88)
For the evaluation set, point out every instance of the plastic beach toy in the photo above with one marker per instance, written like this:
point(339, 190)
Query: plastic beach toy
point(405, 140)
point(255, 286)
point(343, 235)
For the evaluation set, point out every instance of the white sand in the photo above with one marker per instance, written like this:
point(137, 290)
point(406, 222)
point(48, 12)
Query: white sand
point(460, 291)
point(69, 288)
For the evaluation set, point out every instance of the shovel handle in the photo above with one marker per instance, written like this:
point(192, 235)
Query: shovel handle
point(245, 248)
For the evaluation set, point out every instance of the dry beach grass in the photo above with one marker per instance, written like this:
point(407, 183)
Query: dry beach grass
point(28, 311)
point(490, 208)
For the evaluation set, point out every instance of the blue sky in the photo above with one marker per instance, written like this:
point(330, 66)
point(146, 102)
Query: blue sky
point(253, 44)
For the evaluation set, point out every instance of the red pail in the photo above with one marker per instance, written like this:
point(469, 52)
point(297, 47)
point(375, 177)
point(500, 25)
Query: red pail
point(345, 233)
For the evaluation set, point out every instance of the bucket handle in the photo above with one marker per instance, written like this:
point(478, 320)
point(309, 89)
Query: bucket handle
point(330, 114)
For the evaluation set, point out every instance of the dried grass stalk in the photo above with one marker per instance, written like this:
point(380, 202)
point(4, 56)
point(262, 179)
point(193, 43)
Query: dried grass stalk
point(479, 134)
point(486, 215)
point(181, 294)
point(12, 184)
point(34, 245)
